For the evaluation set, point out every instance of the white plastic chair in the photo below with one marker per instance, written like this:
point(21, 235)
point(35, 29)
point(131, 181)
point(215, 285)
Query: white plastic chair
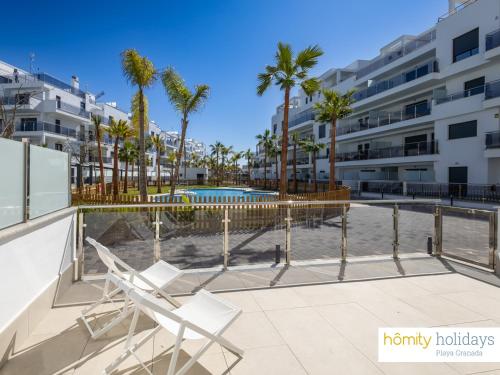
point(204, 316)
point(152, 280)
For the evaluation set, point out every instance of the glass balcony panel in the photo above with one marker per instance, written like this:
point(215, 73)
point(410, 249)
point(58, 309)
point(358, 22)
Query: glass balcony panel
point(255, 234)
point(493, 40)
point(128, 234)
point(416, 226)
point(466, 233)
point(12, 176)
point(192, 237)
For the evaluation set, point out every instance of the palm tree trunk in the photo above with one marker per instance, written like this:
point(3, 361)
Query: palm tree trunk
point(333, 136)
point(101, 166)
point(249, 171)
point(217, 172)
point(125, 186)
point(158, 177)
point(143, 191)
point(315, 181)
point(284, 144)
point(276, 162)
point(115, 169)
point(179, 156)
point(171, 173)
point(295, 168)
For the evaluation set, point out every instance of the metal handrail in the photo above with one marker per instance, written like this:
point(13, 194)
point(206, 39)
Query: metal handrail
point(270, 203)
point(456, 9)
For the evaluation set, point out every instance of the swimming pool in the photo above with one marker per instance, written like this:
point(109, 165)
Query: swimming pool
point(229, 192)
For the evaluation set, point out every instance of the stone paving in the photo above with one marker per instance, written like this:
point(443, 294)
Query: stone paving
point(313, 236)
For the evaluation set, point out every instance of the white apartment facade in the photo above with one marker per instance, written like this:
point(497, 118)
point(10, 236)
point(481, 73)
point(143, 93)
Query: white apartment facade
point(57, 115)
point(427, 108)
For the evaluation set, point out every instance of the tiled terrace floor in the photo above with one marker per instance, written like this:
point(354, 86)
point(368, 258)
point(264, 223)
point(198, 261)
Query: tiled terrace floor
point(317, 329)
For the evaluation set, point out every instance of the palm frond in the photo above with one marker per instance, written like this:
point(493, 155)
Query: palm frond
point(308, 57)
point(137, 69)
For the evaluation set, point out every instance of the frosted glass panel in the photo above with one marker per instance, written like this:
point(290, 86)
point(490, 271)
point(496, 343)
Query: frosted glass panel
point(48, 181)
point(12, 179)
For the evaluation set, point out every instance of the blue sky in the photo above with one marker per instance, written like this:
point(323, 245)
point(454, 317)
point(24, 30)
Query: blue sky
point(222, 43)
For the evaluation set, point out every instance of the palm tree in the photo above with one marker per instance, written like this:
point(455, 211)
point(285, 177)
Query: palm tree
point(224, 154)
point(312, 148)
point(333, 107)
point(140, 72)
point(159, 146)
point(289, 72)
point(248, 154)
point(265, 141)
point(97, 121)
point(274, 151)
point(128, 154)
point(171, 158)
point(236, 156)
point(216, 149)
point(185, 102)
point(119, 130)
point(295, 141)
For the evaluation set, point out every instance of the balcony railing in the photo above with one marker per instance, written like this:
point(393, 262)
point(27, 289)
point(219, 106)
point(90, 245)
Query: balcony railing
point(492, 140)
point(65, 107)
point(299, 118)
point(42, 78)
point(461, 94)
point(383, 118)
point(492, 90)
point(301, 161)
point(406, 150)
point(388, 58)
point(459, 7)
point(400, 79)
point(46, 127)
point(493, 40)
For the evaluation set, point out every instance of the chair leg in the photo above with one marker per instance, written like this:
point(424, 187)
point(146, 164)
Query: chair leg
point(194, 358)
point(230, 346)
point(175, 354)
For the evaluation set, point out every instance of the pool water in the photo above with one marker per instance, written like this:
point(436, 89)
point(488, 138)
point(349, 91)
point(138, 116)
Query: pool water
point(228, 192)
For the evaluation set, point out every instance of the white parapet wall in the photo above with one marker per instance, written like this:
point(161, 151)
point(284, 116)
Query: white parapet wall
point(36, 260)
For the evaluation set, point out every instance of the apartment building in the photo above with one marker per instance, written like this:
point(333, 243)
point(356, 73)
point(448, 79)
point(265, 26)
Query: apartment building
point(57, 115)
point(427, 107)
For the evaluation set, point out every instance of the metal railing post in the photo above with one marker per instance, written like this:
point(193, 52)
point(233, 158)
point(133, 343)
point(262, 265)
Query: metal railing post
point(438, 231)
point(494, 238)
point(288, 238)
point(395, 243)
point(157, 223)
point(343, 246)
point(225, 245)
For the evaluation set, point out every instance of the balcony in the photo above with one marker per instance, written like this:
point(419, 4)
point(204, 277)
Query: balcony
point(406, 150)
point(461, 94)
point(493, 40)
point(464, 4)
point(492, 140)
point(407, 48)
point(300, 161)
point(405, 77)
point(492, 90)
point(74, 110)
point(301, 117)
point(46, 127)
point(383, 118)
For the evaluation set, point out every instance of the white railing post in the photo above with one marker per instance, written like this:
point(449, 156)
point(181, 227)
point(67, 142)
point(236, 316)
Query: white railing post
point(395, 221)
point(495, 242)
point(288, 238)
point(343, 247)
point(26, 177)
point(157, 223)
point(79, 251)
point(225, 245)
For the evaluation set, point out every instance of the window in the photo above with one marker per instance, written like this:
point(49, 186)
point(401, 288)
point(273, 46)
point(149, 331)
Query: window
point(466, 45)
point(322, 131)
point(82, 106)
point(275, 128)
point(474, 87)
point(23, 99)
point(462, 130)
point(307, 99)
point(58, 146)
point(28, 124)
point(416, 109)
point(58, 126)
point(58, 102)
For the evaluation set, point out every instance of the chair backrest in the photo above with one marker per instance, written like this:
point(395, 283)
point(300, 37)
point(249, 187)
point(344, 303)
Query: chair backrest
point(108, 258)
